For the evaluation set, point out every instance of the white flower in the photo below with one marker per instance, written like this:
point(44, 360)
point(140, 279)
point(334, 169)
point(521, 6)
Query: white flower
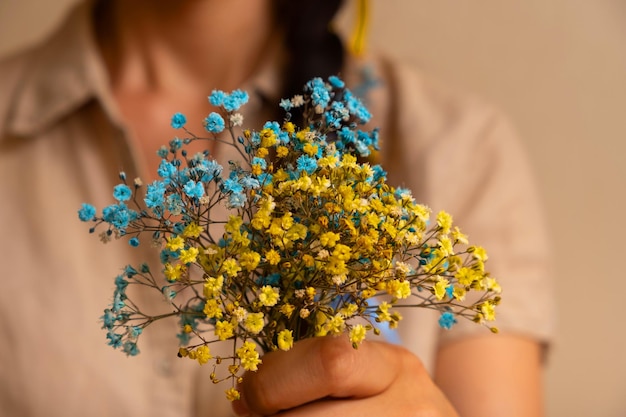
point(297, 101)
point(236, 119)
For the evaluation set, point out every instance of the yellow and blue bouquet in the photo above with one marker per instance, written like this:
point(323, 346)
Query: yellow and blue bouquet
point(316, 242)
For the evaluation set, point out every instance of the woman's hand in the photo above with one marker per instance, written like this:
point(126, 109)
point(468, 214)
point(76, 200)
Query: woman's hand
point(327, 377)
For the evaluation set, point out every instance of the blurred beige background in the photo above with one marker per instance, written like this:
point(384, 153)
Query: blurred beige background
point(559, 69)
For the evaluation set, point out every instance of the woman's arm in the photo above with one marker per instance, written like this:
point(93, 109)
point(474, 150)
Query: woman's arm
point(492, 375)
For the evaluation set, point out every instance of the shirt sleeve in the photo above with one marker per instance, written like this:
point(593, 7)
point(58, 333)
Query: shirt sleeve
point(459, 154)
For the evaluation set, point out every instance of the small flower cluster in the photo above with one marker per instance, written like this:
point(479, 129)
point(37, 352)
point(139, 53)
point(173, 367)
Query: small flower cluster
point(316, 242)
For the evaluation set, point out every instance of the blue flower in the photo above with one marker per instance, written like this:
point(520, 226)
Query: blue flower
point(178, 120)
point(162, 151)
point(174, 203)
point(232, 185)
point(120, 283)
point(87, 212)
point(214, 123)
point(108, 319)
point(129, 271)
point(450, 290)
point(211, 170)
point(130, 348)
point(307, 163)
point(194, 189)
point(319, 93)
point(134, 331)
point(250, 183)
point(166, 169)
point(134, 242)
point(260, 162)
point(176, 144)
point(274, 126)
point(118, 303)
point(356, 108)
point(122, 192)
point(379, 172)
point(236, 200)
point(154, 194)
point(217, 98)
point(285, 104)
point(235, 100)
point(168, 292)
point(118, 215)
point(115, 339)
point(336, 81)
point(447, 320)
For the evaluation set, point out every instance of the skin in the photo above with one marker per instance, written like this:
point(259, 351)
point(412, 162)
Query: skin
point(160, 55)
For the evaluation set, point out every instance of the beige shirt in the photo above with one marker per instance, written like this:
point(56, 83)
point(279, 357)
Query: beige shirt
point(62, 144)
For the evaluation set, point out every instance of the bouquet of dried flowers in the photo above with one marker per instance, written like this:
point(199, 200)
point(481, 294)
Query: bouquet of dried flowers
point(316, 242)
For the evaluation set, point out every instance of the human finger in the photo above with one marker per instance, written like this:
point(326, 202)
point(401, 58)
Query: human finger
point(317, 368)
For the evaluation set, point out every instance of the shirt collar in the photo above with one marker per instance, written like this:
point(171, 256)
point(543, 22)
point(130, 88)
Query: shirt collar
point(63, 74)
point(66, 72)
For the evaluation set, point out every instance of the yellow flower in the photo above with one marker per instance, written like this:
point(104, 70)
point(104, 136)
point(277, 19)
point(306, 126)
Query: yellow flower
point(489, 310)
point(444, 221)
point(232, 394)
point(285, 339)
point(261, 220)
point(230, 267)
point(262, 152)
point(173, 272)
point(329, 239)
point(287, 309)
point(289, 127)
point(382, 312)
point(465, 276)
point(296, 232)
point(203, 354)
point(286, 221)
point(175, 243)
point(399, 289)
point(192, 230)
point(234, 224)
point(213, 286)
point(357, 334)
point(445, 246)
point(493, 285)
point(440, 288)
point(349, 310)
point(459, 293)
point(249, 356)
point(342, 252)
point(188, 256)
point(335, 325)
point(308, 260)
point(269, 296)
point(282, 151)
point(224, 329)
point(459, 237)
point(310, 149)
point(479, 253)
point(212, 309)
point(268, 138)
point(249, 260)
point(254, 323)
point(335, 266)
point(272, 257)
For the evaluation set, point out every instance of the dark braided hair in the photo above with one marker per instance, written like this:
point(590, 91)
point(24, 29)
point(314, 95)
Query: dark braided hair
point(313, 50)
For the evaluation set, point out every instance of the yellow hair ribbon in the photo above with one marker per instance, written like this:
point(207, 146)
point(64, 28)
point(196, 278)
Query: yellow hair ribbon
point(359, 34)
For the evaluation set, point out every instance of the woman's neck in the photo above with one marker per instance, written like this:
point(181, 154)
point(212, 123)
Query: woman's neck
point(183, 46)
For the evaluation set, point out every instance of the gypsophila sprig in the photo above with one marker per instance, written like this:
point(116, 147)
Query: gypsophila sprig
point(316, 242)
